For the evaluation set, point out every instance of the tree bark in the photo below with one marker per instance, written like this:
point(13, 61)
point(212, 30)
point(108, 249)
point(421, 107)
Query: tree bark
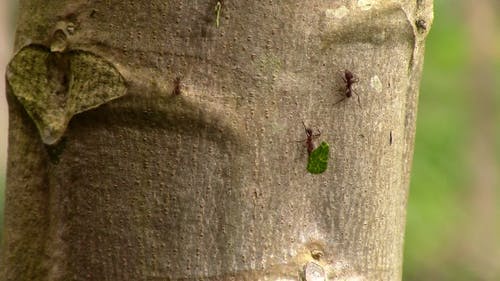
point(157, 140)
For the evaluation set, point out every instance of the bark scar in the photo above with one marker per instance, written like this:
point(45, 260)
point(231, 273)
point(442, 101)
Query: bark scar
point(55, 86)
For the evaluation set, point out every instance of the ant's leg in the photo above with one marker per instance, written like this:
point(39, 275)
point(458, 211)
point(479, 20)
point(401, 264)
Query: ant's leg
point(359, 101)
point(305, 128)
point(317, 134)
point(341, 100)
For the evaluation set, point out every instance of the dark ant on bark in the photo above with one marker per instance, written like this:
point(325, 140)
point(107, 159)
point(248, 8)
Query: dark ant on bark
point(177, 87)
point(310, 136)
point(349, 80)
point(421, 24)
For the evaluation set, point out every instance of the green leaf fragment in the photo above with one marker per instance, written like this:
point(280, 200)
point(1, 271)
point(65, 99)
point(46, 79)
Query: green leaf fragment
point(318, 159)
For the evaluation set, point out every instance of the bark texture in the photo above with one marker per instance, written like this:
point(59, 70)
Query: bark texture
point(195, 173)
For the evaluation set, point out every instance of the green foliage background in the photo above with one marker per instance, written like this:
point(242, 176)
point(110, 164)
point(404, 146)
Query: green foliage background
point(440, 175)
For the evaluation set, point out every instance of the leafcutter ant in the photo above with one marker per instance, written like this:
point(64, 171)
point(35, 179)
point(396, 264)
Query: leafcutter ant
point(421, 24)
point(177, 86)
point(310, 136)
point(349, 80)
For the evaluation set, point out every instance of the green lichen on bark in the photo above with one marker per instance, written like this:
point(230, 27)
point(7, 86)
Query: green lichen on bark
point(54, 86)
point(318, 160)
point(218, 8)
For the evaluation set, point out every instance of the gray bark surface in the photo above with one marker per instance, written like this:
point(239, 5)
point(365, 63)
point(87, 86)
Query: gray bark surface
point(211, 183)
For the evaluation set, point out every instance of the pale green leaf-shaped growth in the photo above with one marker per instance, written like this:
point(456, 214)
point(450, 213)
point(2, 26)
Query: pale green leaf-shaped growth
point(54, 86)
point(318, 159)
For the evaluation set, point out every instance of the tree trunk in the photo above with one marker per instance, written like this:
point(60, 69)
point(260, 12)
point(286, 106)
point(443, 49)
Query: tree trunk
point(157, 140)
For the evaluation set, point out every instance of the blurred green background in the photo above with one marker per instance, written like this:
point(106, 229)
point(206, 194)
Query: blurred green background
point(453, 221)
point(453, 229)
